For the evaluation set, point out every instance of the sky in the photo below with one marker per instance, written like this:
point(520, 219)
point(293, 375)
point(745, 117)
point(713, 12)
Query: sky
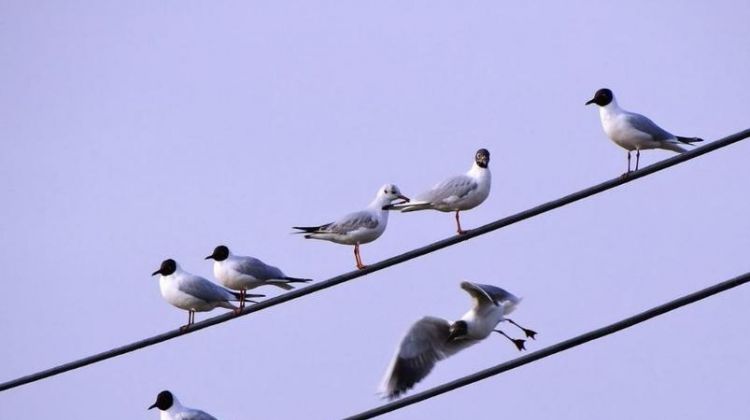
point(137, 131)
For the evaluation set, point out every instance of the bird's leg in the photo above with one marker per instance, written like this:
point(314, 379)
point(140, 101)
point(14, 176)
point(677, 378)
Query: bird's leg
point(458, 224)
point(529, 333)
point(186, 326)
point(628, 172)
point(357, 257)
point(517, 341)
point(637, 158)
point(243, 295)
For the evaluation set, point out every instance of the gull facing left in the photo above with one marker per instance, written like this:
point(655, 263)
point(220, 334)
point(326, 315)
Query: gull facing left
point(360, 227)
point(193, 293)
point(432, 339)
point(171, 409)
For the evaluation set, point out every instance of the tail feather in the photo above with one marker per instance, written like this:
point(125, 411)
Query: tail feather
point(688, 140)
point(283, 282)
point(247, 296)
point(310, 229)
point(295, 280)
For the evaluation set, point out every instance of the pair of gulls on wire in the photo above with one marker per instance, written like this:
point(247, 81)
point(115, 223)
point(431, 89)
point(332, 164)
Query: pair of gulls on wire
point(633, 131)
point(196, 294)
point(432, 339)
point(171, 409)
point(455, 194)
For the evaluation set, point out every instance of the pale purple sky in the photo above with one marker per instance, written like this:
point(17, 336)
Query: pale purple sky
point(136, 131)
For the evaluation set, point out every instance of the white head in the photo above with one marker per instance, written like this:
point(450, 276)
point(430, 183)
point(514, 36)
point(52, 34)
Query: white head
point(387, 194)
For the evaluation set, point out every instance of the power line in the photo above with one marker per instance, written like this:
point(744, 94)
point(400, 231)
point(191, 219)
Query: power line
point(453, 240)
point(555, 348)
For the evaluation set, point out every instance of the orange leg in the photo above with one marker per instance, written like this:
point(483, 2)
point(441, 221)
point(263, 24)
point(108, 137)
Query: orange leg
point(357, 257)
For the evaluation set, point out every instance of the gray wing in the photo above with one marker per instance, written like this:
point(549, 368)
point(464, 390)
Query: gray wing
point(257, 268)
point(424, 344)
point(203, 289)
point(486, 293)
point(451, 189)
point(193, 414)
point(353, 221)
point(642, 123)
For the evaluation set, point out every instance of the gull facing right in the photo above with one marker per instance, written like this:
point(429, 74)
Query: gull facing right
point(242, 273)
point(193, 293)
point(171, 409)
point(461, 192)
point(432, 339)
point(360, 227)
point(633, 131)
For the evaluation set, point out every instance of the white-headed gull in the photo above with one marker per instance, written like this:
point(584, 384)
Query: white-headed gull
point(458, 193)
point(432, 339)
point(633, 131)
point(360, 227)
point(171, 409)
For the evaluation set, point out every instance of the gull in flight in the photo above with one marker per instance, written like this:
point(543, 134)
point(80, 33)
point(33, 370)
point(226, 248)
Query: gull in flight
point(633, 131)
point(193, 293)
point(461, 192)
point(171, 409)
point(242, 273)
point(432, 339)
point(360, 227)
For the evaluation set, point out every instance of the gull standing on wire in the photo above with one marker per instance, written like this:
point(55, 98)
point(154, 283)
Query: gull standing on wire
point(358, 228)
point(633, 131)
point(432, 339)
point(193, 293)
point(242, 273)
point(461, 192)
point(171, 409)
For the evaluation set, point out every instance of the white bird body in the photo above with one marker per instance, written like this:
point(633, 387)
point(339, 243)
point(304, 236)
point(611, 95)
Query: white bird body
point(619, 126)
point(242, 273)
point(194, 293)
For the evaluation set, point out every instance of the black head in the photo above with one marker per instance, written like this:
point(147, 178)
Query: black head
point(163, 401)
point(458, 330)
point(602, 97)
point(482, 158)
point(167, 267)
point(221, 253)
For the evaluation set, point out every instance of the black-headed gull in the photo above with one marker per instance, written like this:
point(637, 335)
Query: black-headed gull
point(193, 293)
point(171, 409)
point(242, 273)
point(360, 227)
point(432, 339)
point(458, 193)
point(633, 131)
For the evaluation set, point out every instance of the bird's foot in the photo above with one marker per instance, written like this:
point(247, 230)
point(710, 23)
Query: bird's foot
point(529, 333)
point(361, 266)
point(519, 343)
point(461, 232)
point(237, 311)
point(184, 328)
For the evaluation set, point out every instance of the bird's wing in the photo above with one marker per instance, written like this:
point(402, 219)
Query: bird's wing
point(448, 191)
point(424, 344)
point(203, 289)
point(354, 221)
point(254, 267)
point(643, 124)
point(480, 296)
point(193, 414)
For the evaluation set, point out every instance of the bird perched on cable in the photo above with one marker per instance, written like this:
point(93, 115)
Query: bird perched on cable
point(458, 193)
point(633, 131)
point(242, 273)
point(432, 339)
point(360, 227)
point(171, 409)
point(193, 293)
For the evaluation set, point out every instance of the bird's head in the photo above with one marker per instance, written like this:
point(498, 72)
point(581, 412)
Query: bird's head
point(482, 158)
point(602, 97)
point(167, 268)
point(220, 253)
point(458, 330)
point(164, 400)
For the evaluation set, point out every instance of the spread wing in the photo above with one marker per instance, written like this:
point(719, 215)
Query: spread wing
point(486, 294)
point(449, 191)
point(643, 124)
point(203, 289)
point(258, 269)
point(424, 344)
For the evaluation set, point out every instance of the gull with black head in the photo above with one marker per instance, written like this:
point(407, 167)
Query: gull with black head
point(458, 193)
point(432, 339)
point(171, 409)
point(242, 273)
point(193, 293)
point(360, 227)
point(633, 131)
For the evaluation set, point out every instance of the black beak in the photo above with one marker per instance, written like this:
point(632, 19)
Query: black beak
point(453, 334)
point(590, 101)
point(152, 406)
point(156, 272)
point(403, 197)
point(210, 257)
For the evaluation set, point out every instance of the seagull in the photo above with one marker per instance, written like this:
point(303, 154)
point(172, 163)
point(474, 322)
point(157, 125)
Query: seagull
point(360, 227)
point(633, 131)
point(242, 273)
point(193, 293)
point(171, 409)
point(461, 192)
point(432, 339)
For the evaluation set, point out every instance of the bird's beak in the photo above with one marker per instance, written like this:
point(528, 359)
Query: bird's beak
point(210, 257)
point(403, 197)
point(452, 335)
point(156, 272)
point(590, 101)
point(152, 406)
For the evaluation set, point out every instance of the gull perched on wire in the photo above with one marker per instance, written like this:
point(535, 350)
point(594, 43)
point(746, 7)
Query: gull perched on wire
point(193, 293)
point(633, 131)
point(242, 273)
point(432, 339)
point(360, 227)
point(458, 193)
point(171, 409)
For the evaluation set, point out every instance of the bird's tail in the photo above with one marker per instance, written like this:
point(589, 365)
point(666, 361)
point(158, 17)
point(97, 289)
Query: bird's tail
point(310, 229)
point(688, 140)
point(284, 282)
point(247, 296)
